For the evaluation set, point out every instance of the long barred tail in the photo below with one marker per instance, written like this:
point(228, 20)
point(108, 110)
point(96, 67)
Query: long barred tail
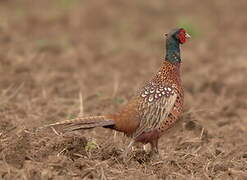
point(84, 123)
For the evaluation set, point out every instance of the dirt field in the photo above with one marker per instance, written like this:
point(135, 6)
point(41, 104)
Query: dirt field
point(53, 51)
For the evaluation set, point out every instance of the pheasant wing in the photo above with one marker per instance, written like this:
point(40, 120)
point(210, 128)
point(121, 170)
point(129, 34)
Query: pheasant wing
point(157, 103)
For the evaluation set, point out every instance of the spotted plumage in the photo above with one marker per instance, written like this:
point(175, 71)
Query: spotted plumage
point(155, 107)
point(153, 92)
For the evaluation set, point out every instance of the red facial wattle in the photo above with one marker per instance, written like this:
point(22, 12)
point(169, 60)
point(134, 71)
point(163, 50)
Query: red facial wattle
point(182, 36)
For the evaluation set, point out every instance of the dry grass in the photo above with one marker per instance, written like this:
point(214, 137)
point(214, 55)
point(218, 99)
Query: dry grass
point(64, 58)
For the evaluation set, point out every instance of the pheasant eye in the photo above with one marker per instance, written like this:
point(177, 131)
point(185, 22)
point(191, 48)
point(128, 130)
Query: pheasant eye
point(182, 36)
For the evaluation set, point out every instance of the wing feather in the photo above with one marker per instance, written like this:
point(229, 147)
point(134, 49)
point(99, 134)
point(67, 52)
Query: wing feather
point(157, 103)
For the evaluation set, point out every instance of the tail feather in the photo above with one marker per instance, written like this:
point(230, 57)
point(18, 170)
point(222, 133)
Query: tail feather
point(74, 127)
point(83, 123)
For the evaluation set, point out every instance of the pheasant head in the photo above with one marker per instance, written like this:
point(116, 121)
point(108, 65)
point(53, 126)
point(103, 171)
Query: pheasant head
point(173, 40)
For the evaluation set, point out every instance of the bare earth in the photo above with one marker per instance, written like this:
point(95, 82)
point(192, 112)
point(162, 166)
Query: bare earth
point(53, 51)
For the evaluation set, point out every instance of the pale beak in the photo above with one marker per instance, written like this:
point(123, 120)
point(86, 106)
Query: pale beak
point(187, 36)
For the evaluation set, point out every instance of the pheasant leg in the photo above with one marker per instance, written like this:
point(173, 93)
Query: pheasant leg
point(154, 147)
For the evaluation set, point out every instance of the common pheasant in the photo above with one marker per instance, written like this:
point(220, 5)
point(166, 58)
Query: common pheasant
point(153, 109)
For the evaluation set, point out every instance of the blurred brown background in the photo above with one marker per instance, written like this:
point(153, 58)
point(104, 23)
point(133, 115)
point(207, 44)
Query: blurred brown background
point(51, 51)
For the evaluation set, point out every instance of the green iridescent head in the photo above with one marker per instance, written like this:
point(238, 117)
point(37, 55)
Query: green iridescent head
point(173, 40)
